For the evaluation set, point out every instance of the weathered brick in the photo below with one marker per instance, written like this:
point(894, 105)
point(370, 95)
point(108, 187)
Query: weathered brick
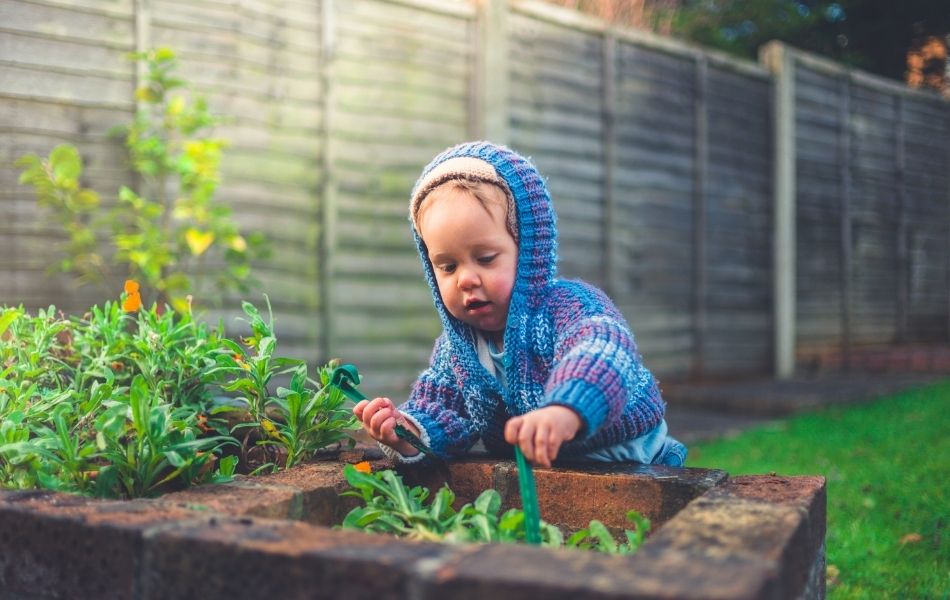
point(507, 572)
point(780, 520)
point(320, 485)
point(226, 558)
point(572, 497)
point(467, 478)
point(748, 537)
point(64, 546)
point(242, 497)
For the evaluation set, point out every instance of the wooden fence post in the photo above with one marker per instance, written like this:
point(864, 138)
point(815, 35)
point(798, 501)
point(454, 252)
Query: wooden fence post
point(609, 144)
point(844, 192)
point(328, 191)
point(491, 87)
point(700, 168)
point(781, 62)
point(143, 40)
point(903, 252)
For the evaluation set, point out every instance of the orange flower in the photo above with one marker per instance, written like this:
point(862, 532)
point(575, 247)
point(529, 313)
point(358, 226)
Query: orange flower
point(363, 467)
point(133, 300)
point(203, 424)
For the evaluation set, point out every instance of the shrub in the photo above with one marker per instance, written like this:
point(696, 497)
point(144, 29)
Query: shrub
point(122, 404)
point(164, 232)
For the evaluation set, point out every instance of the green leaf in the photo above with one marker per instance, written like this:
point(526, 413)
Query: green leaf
point(600, 533)
point(86, 199)
point(7, 318)
point(175, 459)
point(65, 163)
point(488, 502)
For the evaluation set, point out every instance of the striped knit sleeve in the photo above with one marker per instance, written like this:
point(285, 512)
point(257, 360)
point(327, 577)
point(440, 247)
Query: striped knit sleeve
point(436, 406)
point(596, 369)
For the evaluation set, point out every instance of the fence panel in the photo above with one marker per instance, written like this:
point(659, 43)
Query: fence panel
point(334, 108)
point(738, 242)
point(872, 214)
point(820, 134)
point(258, 64)
point(401, 77)
point(875, 214)
point(655, 133)
point(556, 119)
point(64, 79)
point(926, 181)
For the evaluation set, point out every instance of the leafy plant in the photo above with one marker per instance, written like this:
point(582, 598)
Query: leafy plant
point(118, 404)
point(164, 232)
point(393, 508)
point(296, 421)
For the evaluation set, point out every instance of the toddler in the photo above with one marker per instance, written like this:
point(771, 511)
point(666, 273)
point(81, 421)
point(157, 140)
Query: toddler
point(524, 357)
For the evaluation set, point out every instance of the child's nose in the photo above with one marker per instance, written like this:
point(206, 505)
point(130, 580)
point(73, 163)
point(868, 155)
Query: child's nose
point(468, 278)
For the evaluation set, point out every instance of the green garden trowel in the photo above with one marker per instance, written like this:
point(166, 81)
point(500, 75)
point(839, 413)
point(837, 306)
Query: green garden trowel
point(345, 378)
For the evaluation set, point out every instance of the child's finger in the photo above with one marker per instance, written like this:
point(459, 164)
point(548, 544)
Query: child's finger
point(358, 409)
point(541, 445)
point(368, 411)
point(387, 431)
point(554, 445)
point(512, 428)
point(380, 417)
point(526, 439)
point(375, 405)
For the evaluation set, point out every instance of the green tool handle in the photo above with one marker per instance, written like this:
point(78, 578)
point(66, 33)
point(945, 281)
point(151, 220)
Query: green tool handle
point(414, 441)
point(529, 499)
point(346, 377)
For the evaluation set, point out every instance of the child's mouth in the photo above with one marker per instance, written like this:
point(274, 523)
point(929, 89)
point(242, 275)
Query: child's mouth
point(476, 304)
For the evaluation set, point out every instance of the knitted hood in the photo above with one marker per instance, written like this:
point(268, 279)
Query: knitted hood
point(536, 230)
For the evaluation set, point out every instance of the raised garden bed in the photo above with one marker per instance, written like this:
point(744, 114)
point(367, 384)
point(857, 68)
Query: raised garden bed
point(271, 536)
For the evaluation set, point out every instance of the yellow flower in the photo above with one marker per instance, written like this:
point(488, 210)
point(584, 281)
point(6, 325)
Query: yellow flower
point(198, 241)
point(272, 430)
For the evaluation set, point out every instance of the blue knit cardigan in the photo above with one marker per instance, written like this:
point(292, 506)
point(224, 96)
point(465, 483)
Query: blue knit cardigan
point(565, 344)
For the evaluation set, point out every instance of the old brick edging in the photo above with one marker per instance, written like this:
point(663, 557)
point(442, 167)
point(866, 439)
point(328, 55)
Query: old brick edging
point(745, 537)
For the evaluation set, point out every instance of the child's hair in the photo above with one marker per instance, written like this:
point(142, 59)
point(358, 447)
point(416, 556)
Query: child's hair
point(467, 175)
point(487, 194)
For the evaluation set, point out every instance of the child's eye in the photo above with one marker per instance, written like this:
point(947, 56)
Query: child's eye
point(485, 260)
point(446, 267)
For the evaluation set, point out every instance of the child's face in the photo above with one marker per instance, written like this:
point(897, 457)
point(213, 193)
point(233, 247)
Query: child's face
point(474, 257)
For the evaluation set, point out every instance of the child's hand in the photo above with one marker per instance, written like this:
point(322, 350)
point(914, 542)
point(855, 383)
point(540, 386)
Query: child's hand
point(379, 418)
point(541, 432)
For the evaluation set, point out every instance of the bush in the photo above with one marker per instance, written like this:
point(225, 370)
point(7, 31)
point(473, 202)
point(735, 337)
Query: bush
point(163, 233)
point(123, 404)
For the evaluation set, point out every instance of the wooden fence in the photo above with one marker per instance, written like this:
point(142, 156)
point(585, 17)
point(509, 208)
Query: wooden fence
point(862, 184)
point(659, 157)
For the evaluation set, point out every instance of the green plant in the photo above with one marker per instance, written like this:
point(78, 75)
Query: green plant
point(148, 443)
point(294, 422)
point(118, 404)
point(393, 508)
point(107, 404)
point(164, 232)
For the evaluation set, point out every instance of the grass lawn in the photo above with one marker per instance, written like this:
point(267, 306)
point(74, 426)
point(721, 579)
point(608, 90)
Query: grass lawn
point(887, 464)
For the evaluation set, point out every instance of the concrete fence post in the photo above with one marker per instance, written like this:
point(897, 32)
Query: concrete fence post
point(328, 186)
point(781, 62)
point(490, 82)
